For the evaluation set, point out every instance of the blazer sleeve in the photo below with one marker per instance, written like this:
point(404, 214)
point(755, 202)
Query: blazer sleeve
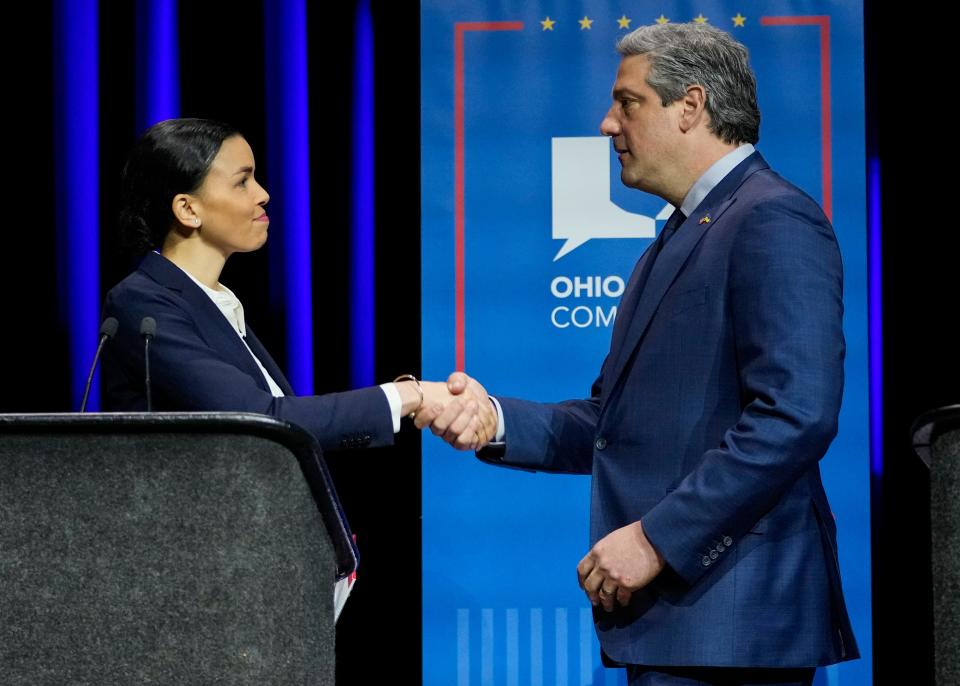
point(785, 299)
point(190, 374)
point(548, 437)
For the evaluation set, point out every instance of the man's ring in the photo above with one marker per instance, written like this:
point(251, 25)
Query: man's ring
point(605, 592)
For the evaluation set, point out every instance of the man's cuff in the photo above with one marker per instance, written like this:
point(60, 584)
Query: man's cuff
point(396, 403)
point(501, 429)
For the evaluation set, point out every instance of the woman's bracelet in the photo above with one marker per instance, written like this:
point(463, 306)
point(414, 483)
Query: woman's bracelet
point(411, 377)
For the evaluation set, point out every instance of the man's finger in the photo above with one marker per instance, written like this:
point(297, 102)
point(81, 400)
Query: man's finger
point(467, 411)
point(466, 439)
point(584, 567)
point(607, 597)
point(457, 382)
point(462, 421)
point(623, 596)
point(592, 585)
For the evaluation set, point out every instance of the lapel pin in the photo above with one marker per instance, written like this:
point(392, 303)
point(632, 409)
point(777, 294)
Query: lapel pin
point(705, 219)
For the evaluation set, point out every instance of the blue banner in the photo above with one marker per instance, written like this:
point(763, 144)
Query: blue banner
point(528, 240)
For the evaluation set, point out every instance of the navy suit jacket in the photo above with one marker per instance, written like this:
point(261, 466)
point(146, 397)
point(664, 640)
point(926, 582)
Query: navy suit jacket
point(719, 396)
point(198, 362)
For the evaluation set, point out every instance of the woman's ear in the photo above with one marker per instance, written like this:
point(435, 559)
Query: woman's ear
point(185, 212)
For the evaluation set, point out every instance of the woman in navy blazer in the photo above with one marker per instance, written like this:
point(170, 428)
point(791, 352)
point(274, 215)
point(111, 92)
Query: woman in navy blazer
point(189, 201)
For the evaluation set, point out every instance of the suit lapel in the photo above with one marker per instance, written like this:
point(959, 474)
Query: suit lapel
point(632, 295)
point(643, 296)
point(213, 326)
point(269, 364)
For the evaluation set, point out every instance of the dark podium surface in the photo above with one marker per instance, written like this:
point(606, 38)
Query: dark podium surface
point(166, 548)
point(936, 440)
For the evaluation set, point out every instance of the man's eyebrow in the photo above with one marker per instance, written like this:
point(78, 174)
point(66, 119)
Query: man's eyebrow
point(625, 92)
point(244, 170)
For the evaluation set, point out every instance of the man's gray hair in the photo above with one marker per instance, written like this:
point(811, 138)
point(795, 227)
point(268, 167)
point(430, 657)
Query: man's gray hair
point(683, 55)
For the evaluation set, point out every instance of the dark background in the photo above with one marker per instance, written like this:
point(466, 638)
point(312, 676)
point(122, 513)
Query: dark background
point(910, 122)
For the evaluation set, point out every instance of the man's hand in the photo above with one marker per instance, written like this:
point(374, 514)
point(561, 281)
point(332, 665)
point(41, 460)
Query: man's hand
point(620, 563)
point(468, 421)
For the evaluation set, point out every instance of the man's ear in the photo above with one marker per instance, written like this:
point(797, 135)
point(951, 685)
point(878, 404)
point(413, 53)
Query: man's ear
point(693, 110)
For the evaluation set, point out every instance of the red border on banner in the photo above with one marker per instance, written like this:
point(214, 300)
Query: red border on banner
point(460, 28)
point(826, 155)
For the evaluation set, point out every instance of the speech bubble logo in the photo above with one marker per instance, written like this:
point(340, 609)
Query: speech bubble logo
point(582, 209)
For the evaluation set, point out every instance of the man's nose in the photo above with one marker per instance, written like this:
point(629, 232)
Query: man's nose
point(609, 126)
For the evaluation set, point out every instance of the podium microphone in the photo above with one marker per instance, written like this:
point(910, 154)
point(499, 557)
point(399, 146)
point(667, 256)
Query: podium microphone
point(148, 329)
point(107, 331)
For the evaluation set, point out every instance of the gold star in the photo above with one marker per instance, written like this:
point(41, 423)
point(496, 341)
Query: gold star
point(739, 20)
point(700, 20)
point(623, 22)
point(547, 24)
point(585, 23)
point(662, 20)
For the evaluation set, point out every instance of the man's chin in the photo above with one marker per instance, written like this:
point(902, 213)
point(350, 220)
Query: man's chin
point(629, 180)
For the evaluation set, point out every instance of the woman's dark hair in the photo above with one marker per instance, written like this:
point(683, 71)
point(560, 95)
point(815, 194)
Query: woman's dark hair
point(171, 157)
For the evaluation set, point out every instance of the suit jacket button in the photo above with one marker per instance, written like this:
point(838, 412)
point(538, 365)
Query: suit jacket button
point(721, 547)
point(601, 443)
point(727, 541)
point(706, 561)
point(714, 554)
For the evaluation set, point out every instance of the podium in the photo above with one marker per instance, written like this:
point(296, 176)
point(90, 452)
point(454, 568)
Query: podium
point(167, 548)
point(936, 440)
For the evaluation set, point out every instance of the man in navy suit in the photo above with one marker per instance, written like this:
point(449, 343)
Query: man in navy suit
point(713, 555)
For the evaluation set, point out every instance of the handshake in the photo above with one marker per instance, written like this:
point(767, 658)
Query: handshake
point(458, 411)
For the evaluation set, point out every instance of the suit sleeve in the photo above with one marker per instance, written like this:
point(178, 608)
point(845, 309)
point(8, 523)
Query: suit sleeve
point(194, 376)
point(549, 437)
point(785, 301)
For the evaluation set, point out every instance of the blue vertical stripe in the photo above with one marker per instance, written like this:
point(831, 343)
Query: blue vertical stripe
point(77, 139)
point(463, 647)
point(536, 647)
point(513, 647)
point(561, 643)
point(586, 646)
point(362, 210)
point(486, 647)
point(875, 307)
point(158, 62)
point(288, 166)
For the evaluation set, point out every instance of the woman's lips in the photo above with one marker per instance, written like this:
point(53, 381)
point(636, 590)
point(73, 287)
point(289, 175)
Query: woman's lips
point(262, 218)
